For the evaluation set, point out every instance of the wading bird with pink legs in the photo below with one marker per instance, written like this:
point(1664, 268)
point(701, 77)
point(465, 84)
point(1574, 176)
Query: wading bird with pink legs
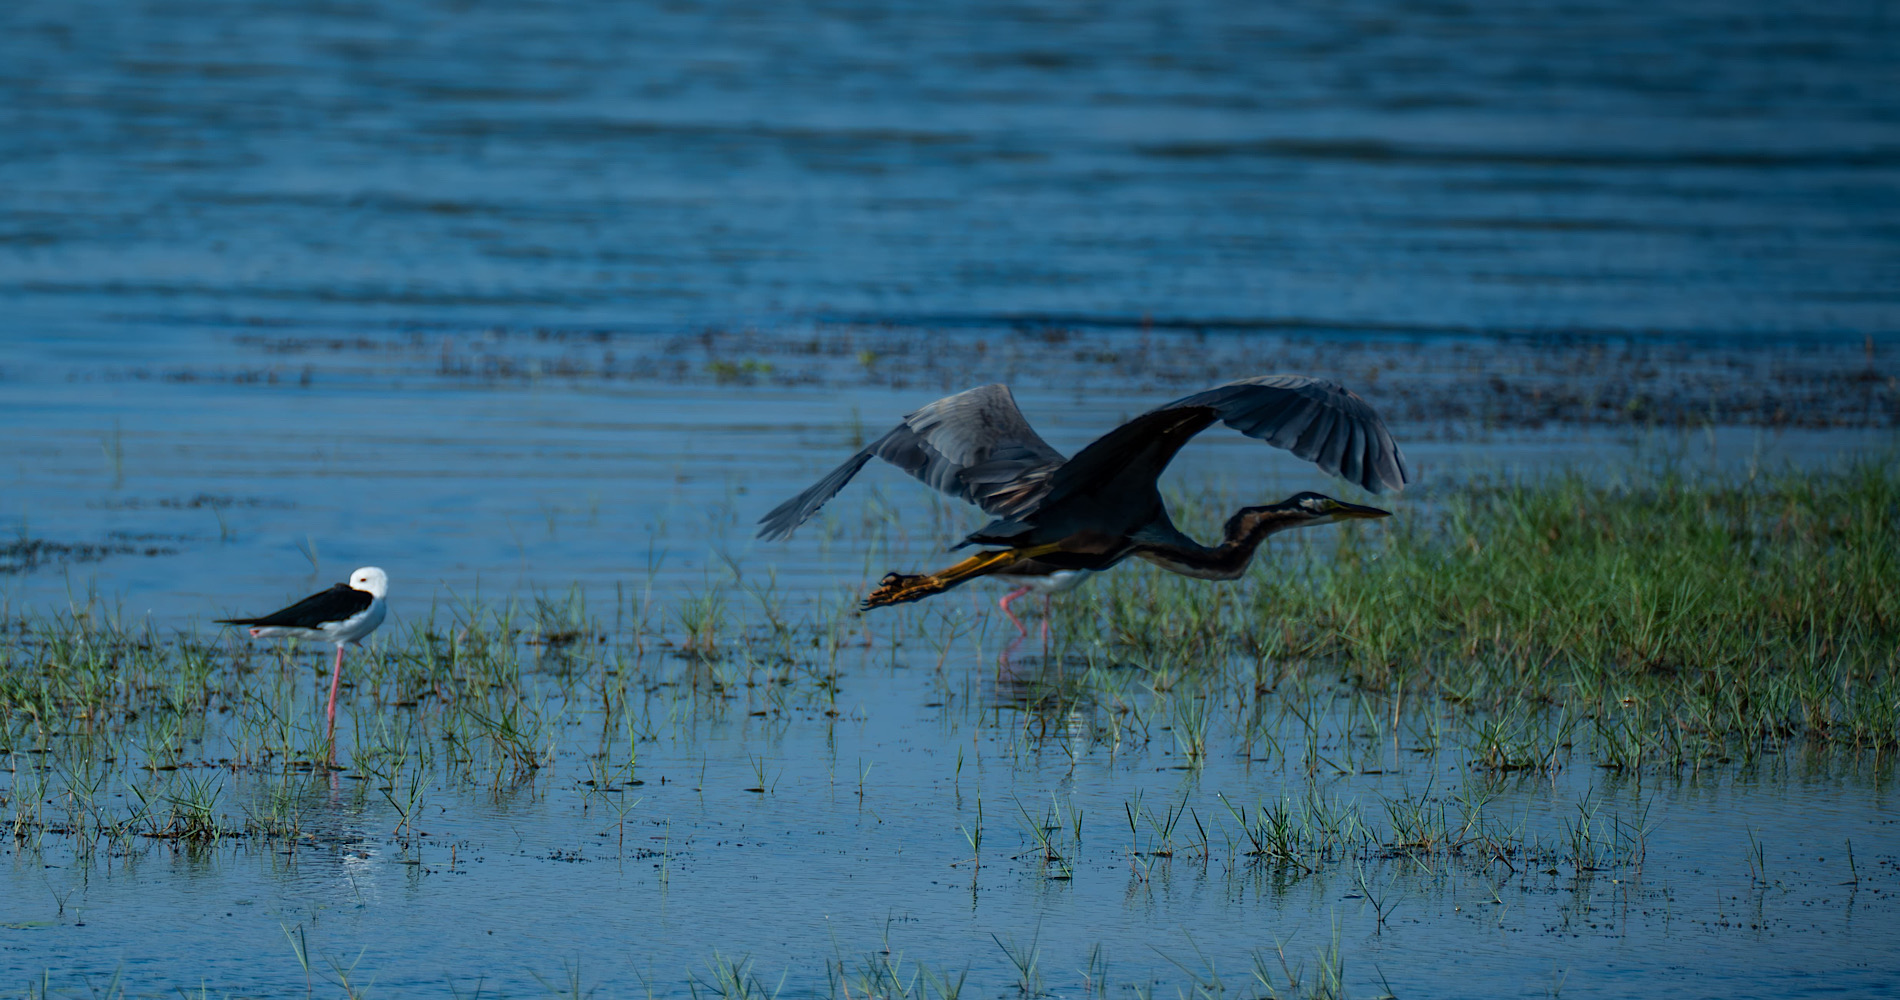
point(344, 614)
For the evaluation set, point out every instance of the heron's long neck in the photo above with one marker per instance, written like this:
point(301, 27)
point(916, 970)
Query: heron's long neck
point(1226, 561)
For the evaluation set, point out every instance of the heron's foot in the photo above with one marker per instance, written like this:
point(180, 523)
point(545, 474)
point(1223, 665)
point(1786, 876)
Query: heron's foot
point(898, 588)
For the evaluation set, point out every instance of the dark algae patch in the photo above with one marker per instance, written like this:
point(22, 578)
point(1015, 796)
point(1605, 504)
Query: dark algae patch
point(1428, 380)
point(25, 555)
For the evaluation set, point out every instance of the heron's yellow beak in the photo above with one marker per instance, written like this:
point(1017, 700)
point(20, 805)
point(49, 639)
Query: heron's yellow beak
point(1342, 509)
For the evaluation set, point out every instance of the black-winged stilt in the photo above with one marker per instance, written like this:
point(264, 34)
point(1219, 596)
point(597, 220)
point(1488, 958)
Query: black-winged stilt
point(344, 614)
point(1038, 577)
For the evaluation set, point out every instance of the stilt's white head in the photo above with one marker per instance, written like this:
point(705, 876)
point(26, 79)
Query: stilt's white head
point(371, 579)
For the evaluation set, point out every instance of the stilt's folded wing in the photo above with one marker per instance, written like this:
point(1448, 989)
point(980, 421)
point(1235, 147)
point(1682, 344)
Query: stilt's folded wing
point(333, 605)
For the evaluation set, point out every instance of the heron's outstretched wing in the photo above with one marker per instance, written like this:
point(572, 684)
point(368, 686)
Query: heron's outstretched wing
point(1317, 420)
point(974, 445)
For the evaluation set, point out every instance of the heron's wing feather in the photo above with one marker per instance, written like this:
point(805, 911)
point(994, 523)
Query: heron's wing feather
point(780, 521)
point(968, 445)
point(975, 446)
point(1320, 421)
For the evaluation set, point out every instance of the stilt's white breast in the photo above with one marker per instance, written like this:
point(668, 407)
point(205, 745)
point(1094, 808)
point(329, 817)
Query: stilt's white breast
point(1060, 582)
point(358, 625)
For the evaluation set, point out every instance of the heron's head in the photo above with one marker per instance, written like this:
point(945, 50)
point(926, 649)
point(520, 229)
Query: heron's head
point(1299, 511)
point(371, 579)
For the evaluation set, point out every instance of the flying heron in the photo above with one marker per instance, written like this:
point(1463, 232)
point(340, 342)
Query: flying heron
point(1056, 515)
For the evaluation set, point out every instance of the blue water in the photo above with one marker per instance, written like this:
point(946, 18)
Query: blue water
point(1621, 166)
point(291, 288)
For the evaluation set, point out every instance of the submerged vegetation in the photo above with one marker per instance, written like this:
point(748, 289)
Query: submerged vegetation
point(1380, 689)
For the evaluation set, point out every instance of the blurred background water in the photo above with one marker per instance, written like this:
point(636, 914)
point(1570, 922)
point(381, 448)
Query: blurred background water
point(178, 165)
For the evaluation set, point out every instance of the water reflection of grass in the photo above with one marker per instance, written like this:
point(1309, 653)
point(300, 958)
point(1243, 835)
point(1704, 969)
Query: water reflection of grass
point(1518, 631)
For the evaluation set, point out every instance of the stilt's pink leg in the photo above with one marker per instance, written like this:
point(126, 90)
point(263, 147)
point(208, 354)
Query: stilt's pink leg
point(1004, 604)
point(1048, 608)
point(335, 675)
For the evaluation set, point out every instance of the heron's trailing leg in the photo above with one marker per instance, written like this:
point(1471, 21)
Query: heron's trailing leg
point(897, 588)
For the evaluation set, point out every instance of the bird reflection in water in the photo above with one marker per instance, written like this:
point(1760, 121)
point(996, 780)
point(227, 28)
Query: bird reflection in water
point(1053, 695)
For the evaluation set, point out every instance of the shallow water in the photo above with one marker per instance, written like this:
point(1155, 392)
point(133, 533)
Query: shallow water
point(858, 845)
point(515, 300)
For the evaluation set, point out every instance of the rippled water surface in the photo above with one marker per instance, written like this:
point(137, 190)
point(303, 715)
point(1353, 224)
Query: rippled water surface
point(1619, 166)
point(513, 299)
